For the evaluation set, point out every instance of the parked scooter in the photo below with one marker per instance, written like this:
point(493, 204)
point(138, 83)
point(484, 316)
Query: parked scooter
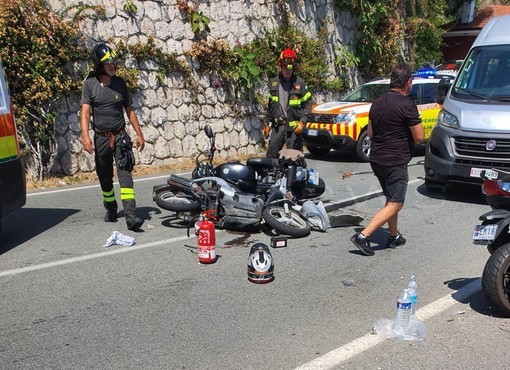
point(258, 174)
point(494, 232)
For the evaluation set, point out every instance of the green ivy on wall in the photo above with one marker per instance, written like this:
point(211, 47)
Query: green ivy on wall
point(391, 31)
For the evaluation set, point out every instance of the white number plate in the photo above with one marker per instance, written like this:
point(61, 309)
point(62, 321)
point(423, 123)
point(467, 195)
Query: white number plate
point(313, 132)
point(313, 177)
point(485, 232)
point(476, 172)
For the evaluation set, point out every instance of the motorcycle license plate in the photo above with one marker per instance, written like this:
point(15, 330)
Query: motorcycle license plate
point(313, 177)
point(490, 174)
point(485, 232)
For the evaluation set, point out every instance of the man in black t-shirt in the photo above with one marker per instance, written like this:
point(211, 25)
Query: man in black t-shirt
point(394, 127)
point(106, 97)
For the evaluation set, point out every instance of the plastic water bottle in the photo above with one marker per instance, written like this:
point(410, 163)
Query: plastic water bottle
point(401, 323)
point(413, 293)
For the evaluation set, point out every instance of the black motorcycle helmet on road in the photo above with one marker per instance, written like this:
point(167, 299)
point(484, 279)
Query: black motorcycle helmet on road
point(260, 264)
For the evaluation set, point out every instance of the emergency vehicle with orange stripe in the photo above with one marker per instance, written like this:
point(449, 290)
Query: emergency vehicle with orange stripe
point(12, 168)
point(342, 125)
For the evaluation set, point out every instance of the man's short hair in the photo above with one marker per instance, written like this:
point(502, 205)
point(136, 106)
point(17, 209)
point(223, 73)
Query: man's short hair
point(400, 75)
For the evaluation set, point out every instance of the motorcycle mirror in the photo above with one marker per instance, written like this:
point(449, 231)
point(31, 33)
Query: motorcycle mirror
point(208, 131)
point(210, 134)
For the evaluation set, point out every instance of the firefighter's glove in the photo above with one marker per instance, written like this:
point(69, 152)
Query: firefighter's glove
point(124, 153)
point(299, 128)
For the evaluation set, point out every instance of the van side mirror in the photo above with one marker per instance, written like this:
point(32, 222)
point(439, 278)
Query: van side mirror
point(442, 89)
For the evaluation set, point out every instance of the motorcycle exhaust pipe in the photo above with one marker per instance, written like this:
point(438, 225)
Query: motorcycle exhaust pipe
point(179, 183)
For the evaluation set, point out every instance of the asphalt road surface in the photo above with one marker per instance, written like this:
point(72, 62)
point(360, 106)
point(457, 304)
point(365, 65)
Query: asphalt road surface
point(69, 303)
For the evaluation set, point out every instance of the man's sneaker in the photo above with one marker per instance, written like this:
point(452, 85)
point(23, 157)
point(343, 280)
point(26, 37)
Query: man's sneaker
point(363, 244)
point(395, 241)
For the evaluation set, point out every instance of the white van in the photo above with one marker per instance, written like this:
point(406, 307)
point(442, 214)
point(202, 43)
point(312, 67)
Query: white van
point(473, 127)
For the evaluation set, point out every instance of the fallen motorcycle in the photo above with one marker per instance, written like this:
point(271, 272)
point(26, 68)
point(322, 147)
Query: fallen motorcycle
point(258, 174)
point(230, 208)
point(494, 233)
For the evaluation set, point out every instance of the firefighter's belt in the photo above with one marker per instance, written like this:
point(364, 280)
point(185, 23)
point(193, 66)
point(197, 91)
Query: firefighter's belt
point(111, 136)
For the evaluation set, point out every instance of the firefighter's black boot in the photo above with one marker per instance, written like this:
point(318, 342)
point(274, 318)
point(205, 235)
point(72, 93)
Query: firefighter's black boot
point(111, 211)
point(133, 222)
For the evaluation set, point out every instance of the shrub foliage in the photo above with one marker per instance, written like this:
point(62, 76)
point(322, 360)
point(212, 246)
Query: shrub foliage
point(37, 49)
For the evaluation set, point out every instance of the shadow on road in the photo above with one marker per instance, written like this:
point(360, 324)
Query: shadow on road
point(476, 301)
point(26, 223)
point(335, 156)
point(456, 193)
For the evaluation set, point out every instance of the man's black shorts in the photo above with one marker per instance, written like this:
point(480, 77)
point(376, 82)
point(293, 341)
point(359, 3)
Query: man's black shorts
point(393, 181)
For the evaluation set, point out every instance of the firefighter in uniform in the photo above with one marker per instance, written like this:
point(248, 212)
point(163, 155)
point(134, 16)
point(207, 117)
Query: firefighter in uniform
point(290, 103)
point(105, 97)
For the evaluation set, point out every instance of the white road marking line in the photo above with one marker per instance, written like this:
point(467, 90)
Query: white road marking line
point(90, 256)
point(361, 344)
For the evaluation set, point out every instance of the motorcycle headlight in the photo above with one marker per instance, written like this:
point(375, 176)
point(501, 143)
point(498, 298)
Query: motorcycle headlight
point(447, 119)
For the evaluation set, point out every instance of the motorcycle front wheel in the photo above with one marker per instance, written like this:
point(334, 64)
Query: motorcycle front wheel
point(177, 202)
point(289, 223)
point(496, 280)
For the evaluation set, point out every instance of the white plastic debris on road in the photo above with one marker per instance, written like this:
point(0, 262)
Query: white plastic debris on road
point(316, 215)
point(416, 331)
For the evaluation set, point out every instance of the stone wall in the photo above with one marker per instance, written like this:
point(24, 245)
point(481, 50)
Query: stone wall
point(171, 120)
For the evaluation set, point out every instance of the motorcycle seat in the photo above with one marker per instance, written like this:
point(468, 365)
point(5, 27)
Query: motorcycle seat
point(262, 162)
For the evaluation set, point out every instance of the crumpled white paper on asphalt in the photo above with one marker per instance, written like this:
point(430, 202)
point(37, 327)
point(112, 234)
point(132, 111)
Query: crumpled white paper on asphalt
point(119, 239)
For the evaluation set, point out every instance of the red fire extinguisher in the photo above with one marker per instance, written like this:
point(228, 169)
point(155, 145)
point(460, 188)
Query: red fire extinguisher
point(206, 240)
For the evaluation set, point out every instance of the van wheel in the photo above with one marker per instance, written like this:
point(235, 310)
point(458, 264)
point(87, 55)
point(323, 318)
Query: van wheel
point(363, 147)
point(317, 150)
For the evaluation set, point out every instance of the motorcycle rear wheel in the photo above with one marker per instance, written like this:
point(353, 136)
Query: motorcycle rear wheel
point(290, 223)
point(177, 202)
point(496, 280)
